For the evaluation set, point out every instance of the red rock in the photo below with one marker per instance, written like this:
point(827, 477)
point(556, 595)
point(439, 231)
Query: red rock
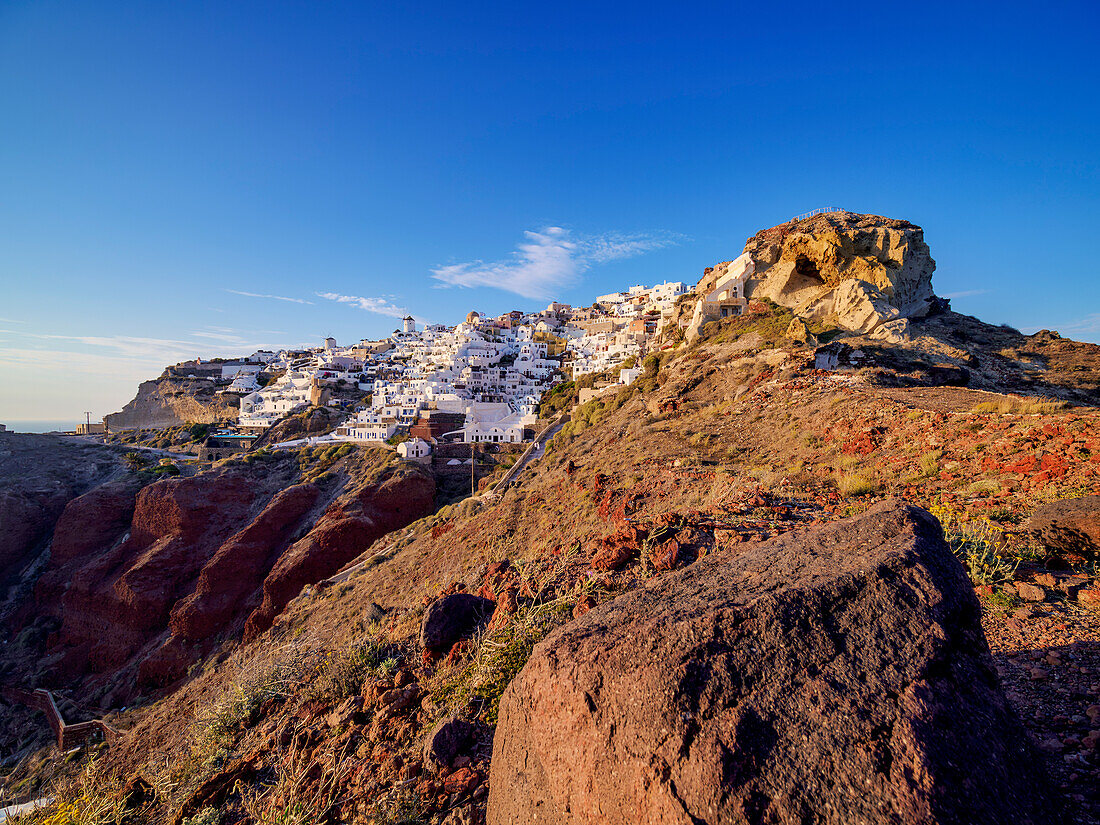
point(461, 781)
point(345, 531)
point(686, 700)
point(1030, 592)
point(122, 598)
point(1089, 598)
point(666, 555)
point(237, 569)
point(582, 606)
point(1023, 465)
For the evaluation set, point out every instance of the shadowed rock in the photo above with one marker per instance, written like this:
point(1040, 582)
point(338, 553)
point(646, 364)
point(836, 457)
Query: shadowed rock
point(838, 675)
point(449, 619)
point(1070, 528)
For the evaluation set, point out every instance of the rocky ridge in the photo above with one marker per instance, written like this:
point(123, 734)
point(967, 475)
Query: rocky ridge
point(170, 402)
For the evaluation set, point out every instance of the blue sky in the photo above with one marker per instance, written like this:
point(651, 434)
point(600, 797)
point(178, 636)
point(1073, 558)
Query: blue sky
point(163, 165)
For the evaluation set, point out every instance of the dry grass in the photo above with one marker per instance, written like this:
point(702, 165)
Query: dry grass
point(857, 484)
point(1021, 406)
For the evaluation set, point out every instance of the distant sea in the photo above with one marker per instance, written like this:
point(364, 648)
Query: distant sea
point(39, 426)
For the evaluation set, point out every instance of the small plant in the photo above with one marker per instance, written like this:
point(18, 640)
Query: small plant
point(1001, 601)
point(344, 673)
point(977, 545)
point(854, 484)
point(308, 788)
point(403, 807)
point(207, 816)
point(500, 654)
point(930, 463)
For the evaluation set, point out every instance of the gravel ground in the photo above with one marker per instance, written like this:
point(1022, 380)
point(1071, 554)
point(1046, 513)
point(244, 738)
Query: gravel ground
point(1048, 658)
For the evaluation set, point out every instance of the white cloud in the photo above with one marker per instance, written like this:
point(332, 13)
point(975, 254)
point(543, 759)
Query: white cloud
point(546, 262)
point(272, 297)
point(379, 306)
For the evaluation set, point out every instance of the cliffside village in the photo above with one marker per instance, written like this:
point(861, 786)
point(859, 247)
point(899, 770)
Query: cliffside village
point(478, 382)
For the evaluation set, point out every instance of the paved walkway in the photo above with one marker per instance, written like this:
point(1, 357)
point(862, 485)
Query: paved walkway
point(13, 811)
point(536, 450)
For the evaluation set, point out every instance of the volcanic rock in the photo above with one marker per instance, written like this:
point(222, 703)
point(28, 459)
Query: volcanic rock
point(835, 675)
point(450, 618)
point(344, 531)
point(123, 595)
point(450, 737)
point(238, 567)
point(1069, 528)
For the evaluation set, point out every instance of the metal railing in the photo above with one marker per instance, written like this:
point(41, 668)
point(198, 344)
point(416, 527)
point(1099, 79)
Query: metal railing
point(821, 210)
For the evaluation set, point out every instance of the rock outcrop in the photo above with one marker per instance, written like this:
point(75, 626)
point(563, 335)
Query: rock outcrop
point(169, 402)
point(451, 618)
point(343, 532)
point(857, 271)
point(835, 675)
point(1070, 529)
point(862, 273)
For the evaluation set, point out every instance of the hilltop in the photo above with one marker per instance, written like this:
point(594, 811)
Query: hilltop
point(382, 693)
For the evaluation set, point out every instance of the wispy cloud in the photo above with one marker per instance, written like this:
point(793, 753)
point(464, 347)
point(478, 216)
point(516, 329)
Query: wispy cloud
point(379, 306)
point(223, 334)
point(96, 352)
point(272, 297)
point(1088, 325)
point(11, 321)
point(547, 261)
point(966, 293)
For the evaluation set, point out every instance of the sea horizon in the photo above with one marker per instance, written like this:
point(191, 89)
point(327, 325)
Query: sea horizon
point(42, 425)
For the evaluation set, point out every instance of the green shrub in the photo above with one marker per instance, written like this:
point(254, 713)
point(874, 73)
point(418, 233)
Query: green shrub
point(930, 463)
point(499, 656)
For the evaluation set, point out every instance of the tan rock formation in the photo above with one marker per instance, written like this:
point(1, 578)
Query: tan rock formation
point(857, 271)
point(168, 402)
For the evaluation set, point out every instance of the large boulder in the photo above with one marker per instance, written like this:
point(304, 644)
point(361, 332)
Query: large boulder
point(809, 265)
point(450, 618)
point(1069, 528)
point(836, 675)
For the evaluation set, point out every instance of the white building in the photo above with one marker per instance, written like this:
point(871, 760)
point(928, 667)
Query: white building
point(264, 407)
point(414, 448)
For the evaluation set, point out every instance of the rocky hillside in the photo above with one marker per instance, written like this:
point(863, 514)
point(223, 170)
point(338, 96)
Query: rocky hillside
point(39, 475)
point(794, 573)
point(680, 536)
point(169, 402)
point(124, 584)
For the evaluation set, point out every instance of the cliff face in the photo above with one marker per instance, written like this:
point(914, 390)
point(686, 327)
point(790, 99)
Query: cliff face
point(862, 273)
point(141, 582)
point(39, 475)
point(169, 402)
point(802, 265)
